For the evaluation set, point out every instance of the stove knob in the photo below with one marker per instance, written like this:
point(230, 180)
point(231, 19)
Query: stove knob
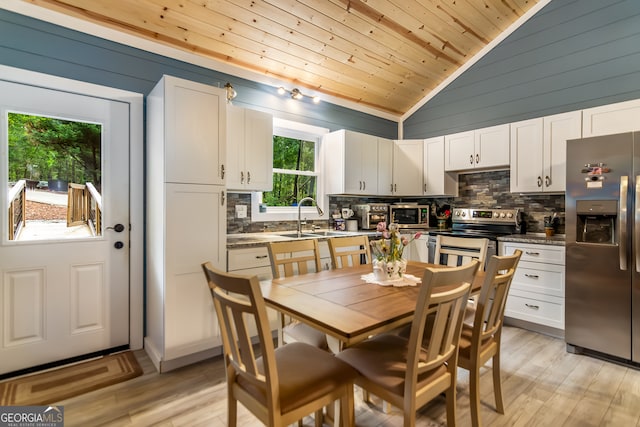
point(502, 215)
point(509, 215)
point(496, 214)
point(464, 213)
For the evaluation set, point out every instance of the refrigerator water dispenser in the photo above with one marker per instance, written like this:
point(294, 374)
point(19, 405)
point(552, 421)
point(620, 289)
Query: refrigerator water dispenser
point(596, 221)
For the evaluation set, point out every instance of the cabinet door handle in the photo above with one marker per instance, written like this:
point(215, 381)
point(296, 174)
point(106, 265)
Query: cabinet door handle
point(425, 188)
point(261, 256)
point(222, 198)
point(539, 181)
point(248, 177)
point(532, 253)
point(471, 159)
point(391, 188)
point(241, 177)
point(359, 185)
point(222, 171)
point(532, 276)
point(395, 188)
point(477, 159)
point(364, 185)
point(547, 181)
point(535, 307)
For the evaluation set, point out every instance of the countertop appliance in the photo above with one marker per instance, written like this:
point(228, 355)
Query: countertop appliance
point(409, 215)
point(602, 289)
point(370, 214)
point(475, 223)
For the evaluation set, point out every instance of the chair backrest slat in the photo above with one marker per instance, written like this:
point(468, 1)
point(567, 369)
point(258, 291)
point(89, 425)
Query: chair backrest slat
point(442, 297)
point(349, 251)
point(240, 308)
point(293, 257)
point(493, 296)
point(455, 251)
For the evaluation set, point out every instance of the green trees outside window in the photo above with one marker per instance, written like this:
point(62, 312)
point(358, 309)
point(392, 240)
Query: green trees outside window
point(43, 148)
point(294, 172)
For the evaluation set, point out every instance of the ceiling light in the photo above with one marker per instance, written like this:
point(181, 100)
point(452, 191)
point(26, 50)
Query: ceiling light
point(295, 93)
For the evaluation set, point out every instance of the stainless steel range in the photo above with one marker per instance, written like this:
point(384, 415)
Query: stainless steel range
point(477, 223)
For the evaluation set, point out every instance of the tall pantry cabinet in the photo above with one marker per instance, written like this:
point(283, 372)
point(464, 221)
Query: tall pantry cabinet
point(186, 219)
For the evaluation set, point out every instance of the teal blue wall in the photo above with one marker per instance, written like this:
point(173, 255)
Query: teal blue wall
point(40, 46)
point(571, 55)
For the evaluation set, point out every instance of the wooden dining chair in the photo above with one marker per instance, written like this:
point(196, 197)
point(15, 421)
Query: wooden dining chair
point(481, 341)
point(408, 372)
point(289, 258)
point(276, 385)
point(349, 251)
point(453, 251)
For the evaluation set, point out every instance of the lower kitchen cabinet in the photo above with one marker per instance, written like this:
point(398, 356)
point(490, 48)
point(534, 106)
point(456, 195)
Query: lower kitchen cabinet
point(537, 291)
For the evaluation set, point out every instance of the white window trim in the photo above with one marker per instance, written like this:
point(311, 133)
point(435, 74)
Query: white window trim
point(290, 213)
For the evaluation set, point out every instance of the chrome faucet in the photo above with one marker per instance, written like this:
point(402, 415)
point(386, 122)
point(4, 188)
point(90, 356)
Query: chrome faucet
point(299, 214)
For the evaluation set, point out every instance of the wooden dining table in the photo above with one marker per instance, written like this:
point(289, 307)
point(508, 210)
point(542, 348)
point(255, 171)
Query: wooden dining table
point(343, 305)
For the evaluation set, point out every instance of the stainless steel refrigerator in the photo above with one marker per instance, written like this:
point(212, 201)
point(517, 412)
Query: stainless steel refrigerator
point(602, 292)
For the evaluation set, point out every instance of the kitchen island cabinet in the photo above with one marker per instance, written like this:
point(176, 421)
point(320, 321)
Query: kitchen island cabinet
point(537, 291)
point(186, 219)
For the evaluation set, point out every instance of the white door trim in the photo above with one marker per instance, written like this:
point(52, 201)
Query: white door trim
point(136, 173)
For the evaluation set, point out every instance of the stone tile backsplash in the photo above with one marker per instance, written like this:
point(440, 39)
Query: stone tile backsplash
point(476, 190)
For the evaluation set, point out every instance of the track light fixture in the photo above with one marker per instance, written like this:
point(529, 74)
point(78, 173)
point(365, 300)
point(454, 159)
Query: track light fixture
point(231, 92)
point(296, 94)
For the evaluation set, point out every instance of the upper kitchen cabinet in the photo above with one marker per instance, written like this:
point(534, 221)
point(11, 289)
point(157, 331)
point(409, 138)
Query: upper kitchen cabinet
point(478, 149)
point(437, 182)
point(249, 149)
point(351, 163)
point(385, 167)
point(196, 124)
point(408, 166)
point(538, 152)
point(613, 118)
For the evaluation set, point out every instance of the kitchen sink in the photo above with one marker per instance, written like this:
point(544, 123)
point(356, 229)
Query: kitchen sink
point(313, 234)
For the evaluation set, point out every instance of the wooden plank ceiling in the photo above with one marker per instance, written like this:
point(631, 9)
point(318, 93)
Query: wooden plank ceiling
point(386, 55)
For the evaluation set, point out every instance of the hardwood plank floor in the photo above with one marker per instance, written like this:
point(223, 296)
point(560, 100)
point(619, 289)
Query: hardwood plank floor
point(543, 385)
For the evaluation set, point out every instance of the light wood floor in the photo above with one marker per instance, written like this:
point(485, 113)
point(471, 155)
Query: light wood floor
point(543, 386)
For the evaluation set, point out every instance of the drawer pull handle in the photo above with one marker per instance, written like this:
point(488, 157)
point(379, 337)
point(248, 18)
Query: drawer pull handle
point(532, 253)
point(535, 307)
point(532, 276)
point(261, 256)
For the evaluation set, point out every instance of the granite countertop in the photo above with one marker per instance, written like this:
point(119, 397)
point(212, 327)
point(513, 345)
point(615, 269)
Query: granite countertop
point(245, 240)
point(536, 238)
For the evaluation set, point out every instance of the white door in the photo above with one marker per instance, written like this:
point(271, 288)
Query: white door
point(66, 298)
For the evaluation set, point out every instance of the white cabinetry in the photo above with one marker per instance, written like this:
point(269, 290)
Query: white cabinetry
point(537, 290)
point(437, 182)
point(408, 158)
point(538, 151)
point(481, 148)
point(186, 219)
point(610, 119)
point(249, 149)
point(352, 164)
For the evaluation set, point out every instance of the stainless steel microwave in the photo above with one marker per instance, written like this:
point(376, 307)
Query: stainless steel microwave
point(410, 216)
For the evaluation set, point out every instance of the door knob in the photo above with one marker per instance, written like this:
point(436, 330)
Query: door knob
point(118, 245)
point(118, 228)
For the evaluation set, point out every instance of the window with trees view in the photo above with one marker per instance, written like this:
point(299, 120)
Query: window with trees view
point(294, 171)
point(44, 148)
